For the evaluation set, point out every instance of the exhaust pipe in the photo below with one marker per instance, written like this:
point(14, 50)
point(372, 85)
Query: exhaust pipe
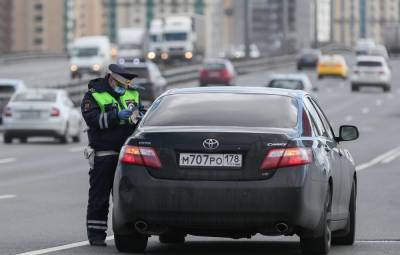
point(141, 226)
point(281, 228)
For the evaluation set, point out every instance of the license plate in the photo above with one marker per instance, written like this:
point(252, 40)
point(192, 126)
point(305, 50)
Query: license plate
point(214, 74)
point(30, 115)
point(210, 160)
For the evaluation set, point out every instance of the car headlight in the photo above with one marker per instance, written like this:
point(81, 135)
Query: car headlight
point(188, 55)
point(164, 56)
point(96, 67)
point(151, 55)
point(73, 68)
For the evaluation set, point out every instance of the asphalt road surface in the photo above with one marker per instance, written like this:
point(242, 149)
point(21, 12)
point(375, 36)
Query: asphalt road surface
point(43, 185)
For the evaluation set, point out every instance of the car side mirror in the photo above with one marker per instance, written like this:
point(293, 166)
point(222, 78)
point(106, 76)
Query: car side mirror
point(347, 133)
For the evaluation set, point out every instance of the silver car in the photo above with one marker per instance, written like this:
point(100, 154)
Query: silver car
point(41, 113)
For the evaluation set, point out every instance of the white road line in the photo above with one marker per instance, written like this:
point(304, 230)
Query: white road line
point(61, 248)
point(9, 196)
point(7, 160)
point(76, 149)
point(377, 160)
point(365, 110)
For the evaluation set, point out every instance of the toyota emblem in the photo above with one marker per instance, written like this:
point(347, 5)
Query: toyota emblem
point(210, 144)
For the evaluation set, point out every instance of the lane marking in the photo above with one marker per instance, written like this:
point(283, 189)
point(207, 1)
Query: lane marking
point(61, 248)
point(8, 196)
point(379, 102)
point(377, 160)
point(76, 149)
point(7, 160)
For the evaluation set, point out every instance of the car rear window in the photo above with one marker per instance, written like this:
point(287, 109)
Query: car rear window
point(369, 63)
point(286, 84)
point(141, 72)
point(224, 109)
point(36, 97)
point(214, 66)
point(6, 89)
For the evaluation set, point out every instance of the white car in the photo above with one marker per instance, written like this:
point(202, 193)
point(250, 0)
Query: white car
point(371, 71)
point(41, 113)
point(292, 81)
point(7, 88)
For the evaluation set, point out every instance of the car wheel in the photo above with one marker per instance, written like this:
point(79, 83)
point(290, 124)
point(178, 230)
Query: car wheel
point(386, 88)
point(76, 139)
point(299, 68)
point(355, 88)
point(172, 238)
point(8, 139)
point(322, 243)
point(320, 77)
point(348, 238)
point(64, 137)
point(23, 139)
point(134, 242)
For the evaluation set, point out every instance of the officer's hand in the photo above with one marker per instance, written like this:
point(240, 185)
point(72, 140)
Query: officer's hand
point(124, 114)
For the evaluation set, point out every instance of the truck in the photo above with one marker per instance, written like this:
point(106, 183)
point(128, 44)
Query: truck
point(391, 38)
point(132, 44)
point(155, 46)
point(90, 55)
point(183, 37)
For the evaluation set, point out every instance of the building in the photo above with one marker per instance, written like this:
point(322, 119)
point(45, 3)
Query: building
point(355, 19)
point(90, 18)
point(36, 25)
point(5, 25)
point(323, 21)
point(282, 25)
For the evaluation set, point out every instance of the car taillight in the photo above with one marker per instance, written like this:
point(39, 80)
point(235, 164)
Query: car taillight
point(55, 112)
point(381, 72)
point(281, 157)
point(203, 73)
point(225, 74)
point(142, 156)
point(7, 112)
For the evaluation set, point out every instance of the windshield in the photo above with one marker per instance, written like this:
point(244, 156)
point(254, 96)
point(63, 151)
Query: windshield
point(369, 63)
point(224, 109)
point(286, 84)
point(85, 52)
point(36, 97)
point(175, 36)
point(214, 66)
point(130, 46)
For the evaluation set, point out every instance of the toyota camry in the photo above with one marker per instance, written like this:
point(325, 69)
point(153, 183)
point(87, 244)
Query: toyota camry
point(235, 162)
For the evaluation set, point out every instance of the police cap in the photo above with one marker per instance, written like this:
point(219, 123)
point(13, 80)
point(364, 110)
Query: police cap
point(121, 75)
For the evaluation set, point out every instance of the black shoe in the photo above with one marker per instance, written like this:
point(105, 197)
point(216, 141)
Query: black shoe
point(97, 243)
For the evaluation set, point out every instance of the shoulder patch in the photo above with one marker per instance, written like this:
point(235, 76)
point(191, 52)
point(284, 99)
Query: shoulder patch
point(87, 104)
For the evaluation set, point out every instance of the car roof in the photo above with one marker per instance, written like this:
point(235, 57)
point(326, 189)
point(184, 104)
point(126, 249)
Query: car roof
point(43, 90)
point(14, 82)
point(291, 76)
point(239, 90)
point(371, 58)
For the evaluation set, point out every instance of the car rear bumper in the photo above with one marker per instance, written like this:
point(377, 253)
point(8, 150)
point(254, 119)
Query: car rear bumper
point(192, 206)
point(32, 128)
point(331, 72)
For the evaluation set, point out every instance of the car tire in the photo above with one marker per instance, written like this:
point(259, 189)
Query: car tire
point(299, 68)
point(320, 77)
point(386, 89)
point(133, 243)
point(320, 244)
point(7, 139)
point(172, 238)
point(76, 138)
point(64, 137)
point(23, 139)
point(355, 87)
point(348, 238)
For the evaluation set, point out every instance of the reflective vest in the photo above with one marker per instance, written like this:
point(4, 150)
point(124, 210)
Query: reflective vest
point(104, 98)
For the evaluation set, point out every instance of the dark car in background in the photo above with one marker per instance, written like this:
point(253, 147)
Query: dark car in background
point(234, 162)
point(7, 88)
point(217, 71)
point(308, 59)
point(149, 78)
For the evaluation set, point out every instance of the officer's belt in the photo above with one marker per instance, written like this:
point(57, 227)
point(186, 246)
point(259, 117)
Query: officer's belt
point(105, 153)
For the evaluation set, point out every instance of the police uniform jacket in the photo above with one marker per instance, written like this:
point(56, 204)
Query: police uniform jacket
point(105, 130)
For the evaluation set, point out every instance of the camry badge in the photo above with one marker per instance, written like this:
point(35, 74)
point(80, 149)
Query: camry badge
point(210, 144)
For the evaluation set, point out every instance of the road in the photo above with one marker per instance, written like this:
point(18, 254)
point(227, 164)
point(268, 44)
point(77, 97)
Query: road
point(43, 185)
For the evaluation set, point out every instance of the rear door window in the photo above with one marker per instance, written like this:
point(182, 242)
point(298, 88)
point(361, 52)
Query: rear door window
point(369, 63)
point(224, 109)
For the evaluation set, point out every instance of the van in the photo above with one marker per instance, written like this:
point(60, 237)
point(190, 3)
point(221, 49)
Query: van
point(90, 55)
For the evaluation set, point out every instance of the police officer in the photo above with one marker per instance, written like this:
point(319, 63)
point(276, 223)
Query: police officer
point(109, 109)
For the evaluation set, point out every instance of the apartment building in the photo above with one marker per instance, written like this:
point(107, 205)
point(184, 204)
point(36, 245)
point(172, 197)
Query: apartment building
point(5, 25)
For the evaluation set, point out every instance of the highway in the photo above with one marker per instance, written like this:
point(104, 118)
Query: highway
point(43, 185)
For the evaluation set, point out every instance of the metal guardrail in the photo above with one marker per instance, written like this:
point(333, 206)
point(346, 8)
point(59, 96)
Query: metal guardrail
point(181, 75)
point(9, 58)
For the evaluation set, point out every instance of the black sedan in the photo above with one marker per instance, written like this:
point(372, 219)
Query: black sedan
point(308, 59)
point(234, 162)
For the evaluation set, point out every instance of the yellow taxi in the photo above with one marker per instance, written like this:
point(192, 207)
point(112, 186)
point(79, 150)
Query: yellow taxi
point(332, 65)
